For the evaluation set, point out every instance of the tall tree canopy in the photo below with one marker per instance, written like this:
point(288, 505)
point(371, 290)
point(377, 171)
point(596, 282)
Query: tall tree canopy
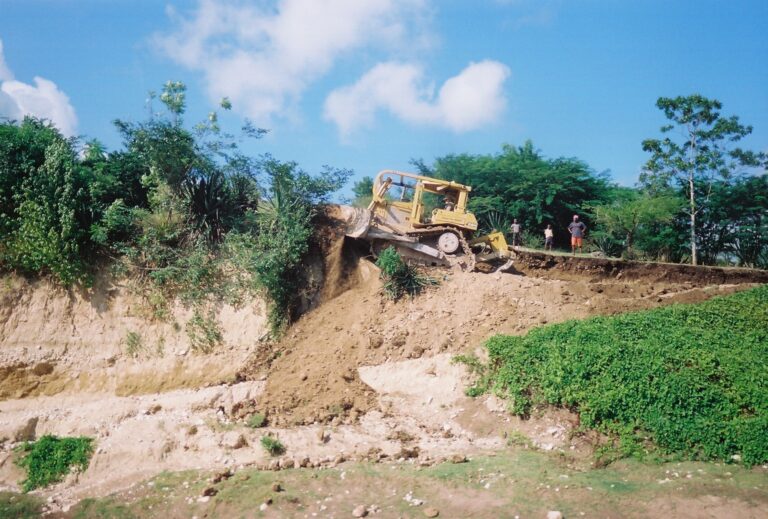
point(520, 183)
point(699, 158)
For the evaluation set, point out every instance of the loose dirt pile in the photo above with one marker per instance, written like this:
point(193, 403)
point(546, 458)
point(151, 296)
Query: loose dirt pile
point(312, 375)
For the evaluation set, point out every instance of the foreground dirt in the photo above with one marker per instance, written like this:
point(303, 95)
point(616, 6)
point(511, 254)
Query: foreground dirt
point(514, 482)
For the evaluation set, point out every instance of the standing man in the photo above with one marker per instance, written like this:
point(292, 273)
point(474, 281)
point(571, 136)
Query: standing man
point(549, 237)
point(515, 228)
point(577, 230)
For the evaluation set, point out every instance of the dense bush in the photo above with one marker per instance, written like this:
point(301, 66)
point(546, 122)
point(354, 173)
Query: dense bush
point(690, 378)
point(50, 458)
point(181, 211)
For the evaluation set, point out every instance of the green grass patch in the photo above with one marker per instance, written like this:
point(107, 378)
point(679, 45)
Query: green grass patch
point(685, 380)
point(20, 506)
point(50, 458)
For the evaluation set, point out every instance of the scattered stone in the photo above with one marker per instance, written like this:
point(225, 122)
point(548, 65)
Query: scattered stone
point(553, 514)
point(154, 409)
point(234, 440)
point(324, 436)
point(287, 463)
point(203, 499)
point(27, 431)
point(210, 491)
point(263, 507)
point(458, 458)
point(221, 476)
point(408, 452)
point(431, 512)
point(359, 511)
point(277, 487)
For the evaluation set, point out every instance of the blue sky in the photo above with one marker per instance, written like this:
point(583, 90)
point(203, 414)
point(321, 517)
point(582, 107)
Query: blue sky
point(370, 85)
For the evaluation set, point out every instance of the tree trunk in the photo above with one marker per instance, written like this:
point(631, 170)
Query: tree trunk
point(693, 221)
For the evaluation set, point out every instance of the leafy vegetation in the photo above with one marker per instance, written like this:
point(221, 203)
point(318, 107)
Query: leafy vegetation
point(50, 458)
point(181, 211)
point(272, 445)
point(688, 378)
point(701, 158)
point(399, 277)
point(20, 506)
point(256, 421)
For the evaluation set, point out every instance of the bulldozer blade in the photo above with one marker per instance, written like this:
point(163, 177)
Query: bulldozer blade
point(357, 221)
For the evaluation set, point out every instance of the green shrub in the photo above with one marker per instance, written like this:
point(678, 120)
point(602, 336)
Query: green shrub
point(257, 421)
point(50, 458)
point(133, 344)
point(399, 277)
point(204, 331)
point(689, 378)
point(272, 445)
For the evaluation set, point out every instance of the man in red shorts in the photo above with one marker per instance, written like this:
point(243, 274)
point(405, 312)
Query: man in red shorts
point(577, 230)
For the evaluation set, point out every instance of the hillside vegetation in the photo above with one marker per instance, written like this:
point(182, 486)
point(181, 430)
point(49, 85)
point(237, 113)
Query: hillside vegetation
point(687, 379)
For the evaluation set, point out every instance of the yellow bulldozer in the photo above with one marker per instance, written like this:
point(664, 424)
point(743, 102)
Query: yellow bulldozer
point(426, 220)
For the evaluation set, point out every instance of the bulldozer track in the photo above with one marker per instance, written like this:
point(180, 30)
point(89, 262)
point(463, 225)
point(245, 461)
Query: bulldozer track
point(469, 264)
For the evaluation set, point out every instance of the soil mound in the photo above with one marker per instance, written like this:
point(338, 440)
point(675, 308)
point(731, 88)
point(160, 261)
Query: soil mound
point(312, 372)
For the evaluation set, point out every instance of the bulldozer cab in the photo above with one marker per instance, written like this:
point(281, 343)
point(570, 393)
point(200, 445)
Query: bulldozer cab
point(407, 202)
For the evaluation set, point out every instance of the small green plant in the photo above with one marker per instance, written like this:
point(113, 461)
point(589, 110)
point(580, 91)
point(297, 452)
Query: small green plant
point(272, 445)
point(204, 331)
point(50, 458)
point(257, 420)
point(399, 277)
point(516, 438)
point(133, 344)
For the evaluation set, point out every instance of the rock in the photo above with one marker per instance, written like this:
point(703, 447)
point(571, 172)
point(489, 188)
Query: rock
point(287, 463)
point(276, 487)
point(263, 507)
point(359, 511)
point(210, 491)
point(233, 440)
point(221, 476)
point(458, 458)
point(431, 512)
point(27, 431)
point(553, 514)
point(324, 436)
point(203, 499)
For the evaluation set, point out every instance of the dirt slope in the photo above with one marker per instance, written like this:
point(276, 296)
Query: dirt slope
point(312, 375)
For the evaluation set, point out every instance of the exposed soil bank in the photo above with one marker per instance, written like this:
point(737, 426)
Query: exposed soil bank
point(540, 264)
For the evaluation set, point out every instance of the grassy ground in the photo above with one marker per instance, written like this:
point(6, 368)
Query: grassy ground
point(688, 378)
point(516, 482)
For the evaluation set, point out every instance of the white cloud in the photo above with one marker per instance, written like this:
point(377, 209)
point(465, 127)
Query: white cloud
point(43, 99)
point(465, 102)
point(263, 58)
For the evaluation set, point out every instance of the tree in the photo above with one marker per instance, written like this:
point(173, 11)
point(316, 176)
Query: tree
point(363, 191)
point(702, 155)
point(520, 183)
point(633, 210)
